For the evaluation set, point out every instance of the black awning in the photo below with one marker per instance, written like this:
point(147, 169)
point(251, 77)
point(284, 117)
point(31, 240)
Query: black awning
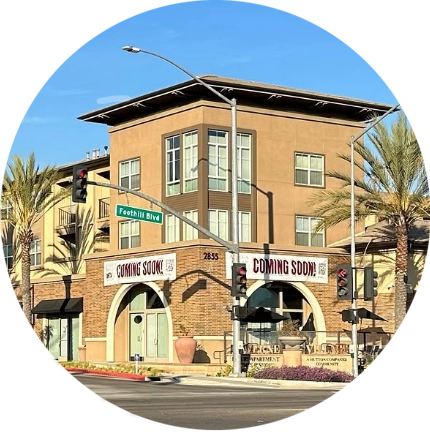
point(59, 306)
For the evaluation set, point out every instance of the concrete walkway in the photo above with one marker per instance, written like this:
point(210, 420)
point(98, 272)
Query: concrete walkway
point(252, 382)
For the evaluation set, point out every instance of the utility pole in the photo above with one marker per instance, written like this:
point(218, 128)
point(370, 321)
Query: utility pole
point(354, 336)
point(234, 190)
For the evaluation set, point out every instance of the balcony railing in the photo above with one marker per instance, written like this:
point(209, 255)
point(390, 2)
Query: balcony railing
point(104, 208)
point(66, 216)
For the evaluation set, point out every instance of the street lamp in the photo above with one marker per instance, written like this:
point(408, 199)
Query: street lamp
point(354, 333)
point(234, 194)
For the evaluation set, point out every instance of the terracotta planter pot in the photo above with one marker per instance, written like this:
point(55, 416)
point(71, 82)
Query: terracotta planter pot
point(292, 342)
point(185, 348)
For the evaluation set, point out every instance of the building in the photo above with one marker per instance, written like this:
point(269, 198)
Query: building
point(114, 287)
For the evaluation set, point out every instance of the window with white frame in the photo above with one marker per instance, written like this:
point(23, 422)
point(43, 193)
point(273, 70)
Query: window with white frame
point(35, 253)
point(309, 169)
point(173, 166)
point(129, 234)
point(218, 223)
point(6, 209)
point(305, 235)
point(243, 143)
point(129, 174)
point(244, 227)
point(8, 255)
point(217, 159)
point(190, 233)
point(172, 228)
point(190, 140)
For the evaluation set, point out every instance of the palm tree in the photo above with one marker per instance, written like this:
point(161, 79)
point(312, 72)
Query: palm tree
point(392, 185)
point(30, 191)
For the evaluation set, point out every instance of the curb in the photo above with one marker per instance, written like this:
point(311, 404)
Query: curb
point(256, 382)
point(112, 374)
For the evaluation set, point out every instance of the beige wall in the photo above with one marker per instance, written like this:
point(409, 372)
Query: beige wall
point(52, 245)
point(276, 138)
point(384, 264)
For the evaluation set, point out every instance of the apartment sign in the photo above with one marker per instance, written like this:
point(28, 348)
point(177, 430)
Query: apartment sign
point(147, 269)
point(282, 267)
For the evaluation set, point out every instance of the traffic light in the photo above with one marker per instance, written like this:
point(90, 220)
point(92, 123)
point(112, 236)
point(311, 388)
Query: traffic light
point(79, 189)
point(348, 315)
point(238, 280)
point(344, 282)
point(370, 283)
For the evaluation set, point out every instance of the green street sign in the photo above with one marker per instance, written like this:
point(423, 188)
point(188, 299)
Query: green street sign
point(138, 214)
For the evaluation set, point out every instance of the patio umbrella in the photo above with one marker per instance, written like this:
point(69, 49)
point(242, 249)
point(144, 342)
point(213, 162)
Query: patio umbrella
point(364, 313)
point(262, 315)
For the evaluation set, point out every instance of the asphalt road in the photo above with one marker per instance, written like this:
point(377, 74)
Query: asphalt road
point(205, 406)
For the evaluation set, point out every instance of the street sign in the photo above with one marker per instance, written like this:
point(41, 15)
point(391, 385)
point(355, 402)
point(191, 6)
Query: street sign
point(138, 214)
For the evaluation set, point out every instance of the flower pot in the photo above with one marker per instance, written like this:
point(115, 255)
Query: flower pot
point(292, 342)
point(185, 348)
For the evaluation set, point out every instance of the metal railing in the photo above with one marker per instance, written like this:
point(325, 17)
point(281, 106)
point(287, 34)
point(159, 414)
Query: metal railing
point(104, 208)
point(66, 216)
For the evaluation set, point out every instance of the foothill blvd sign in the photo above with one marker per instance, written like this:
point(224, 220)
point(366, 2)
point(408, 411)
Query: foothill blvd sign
point(138, 214)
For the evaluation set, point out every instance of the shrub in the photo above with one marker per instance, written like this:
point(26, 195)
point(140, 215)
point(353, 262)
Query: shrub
point(303, 373)
point(121, 368)
point(253, 369)
point(225, 371)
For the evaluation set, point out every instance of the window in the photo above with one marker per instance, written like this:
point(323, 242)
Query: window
point(309, 169)
point(35, 253)
point(218, 223)
point(172, 229)
point(218, 162)
point(190, 233)
point(8, 255)
point(173, 171)
point(5, 209)
point(304, 232)
point(190, 161)
point(129, 234)
point(129, 174)
point(245, 227)
point(244, 163)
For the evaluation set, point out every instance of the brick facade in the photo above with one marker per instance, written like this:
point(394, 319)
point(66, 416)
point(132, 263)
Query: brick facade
point(198, 298)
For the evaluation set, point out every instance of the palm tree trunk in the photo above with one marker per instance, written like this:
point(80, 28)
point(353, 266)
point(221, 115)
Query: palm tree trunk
point(400, 297)
point(25, 239)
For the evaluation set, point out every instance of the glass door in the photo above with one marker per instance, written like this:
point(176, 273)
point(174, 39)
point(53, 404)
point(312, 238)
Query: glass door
point(136, 335)
point(52, 336)
point(156, 336)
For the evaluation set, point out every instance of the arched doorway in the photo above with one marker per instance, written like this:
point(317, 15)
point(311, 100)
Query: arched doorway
point(282, 298)
point(139, 322)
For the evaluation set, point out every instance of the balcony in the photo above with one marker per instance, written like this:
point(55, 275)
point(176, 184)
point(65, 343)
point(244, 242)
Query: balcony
point(66, 226)
point(103, 215)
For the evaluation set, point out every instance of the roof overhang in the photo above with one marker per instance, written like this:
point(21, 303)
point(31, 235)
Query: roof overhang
point(248, 93)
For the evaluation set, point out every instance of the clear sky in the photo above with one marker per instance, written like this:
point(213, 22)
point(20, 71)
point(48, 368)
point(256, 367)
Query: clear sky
point(264, 44)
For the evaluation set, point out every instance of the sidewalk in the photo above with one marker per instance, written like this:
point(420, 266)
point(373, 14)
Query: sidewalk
point(252, 382)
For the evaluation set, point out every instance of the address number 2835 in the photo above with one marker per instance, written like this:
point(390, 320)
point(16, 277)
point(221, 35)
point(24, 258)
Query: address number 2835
point(210, 256)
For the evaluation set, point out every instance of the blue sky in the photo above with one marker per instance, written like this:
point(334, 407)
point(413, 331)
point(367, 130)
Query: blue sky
point(264, 44)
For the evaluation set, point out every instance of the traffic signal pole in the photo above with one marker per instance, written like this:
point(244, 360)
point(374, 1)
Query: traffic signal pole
point(230, 247)
point(354, 335)
point(354, 338)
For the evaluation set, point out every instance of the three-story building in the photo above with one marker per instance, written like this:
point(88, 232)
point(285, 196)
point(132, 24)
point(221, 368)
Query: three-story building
point(139, 281)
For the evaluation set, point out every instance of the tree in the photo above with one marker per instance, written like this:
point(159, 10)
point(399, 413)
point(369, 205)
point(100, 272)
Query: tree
point(30, 192)
point(391, 184)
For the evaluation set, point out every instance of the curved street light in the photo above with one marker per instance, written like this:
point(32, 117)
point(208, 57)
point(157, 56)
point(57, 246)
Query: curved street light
point(234, 190)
